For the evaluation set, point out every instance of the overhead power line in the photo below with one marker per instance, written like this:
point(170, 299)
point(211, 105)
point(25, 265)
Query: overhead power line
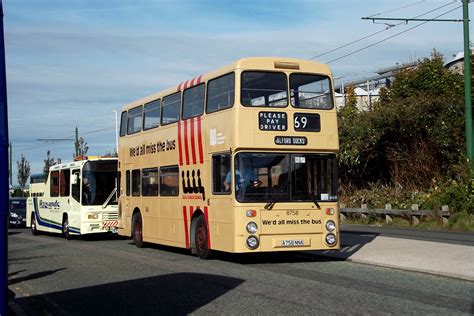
point(52, 140)
point(392, 36)
point(381, 31)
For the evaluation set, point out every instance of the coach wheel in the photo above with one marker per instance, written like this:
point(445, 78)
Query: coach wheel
point(137, 230)
point(66, 232)
point(201, 238)
point(34, 229)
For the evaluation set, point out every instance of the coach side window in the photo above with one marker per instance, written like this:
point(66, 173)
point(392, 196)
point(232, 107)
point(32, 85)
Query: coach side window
point(220, 93)
point(123, 124)
point(171, 107)
point(76, 185)
point(64, 182)
point(134, 120)
point(54, 185)
point(151, 115)
point(193, 101)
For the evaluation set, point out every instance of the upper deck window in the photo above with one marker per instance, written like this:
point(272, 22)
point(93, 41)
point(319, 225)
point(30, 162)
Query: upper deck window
point(311, 91)
point(151, 116)
point(193, 101)
point(171, 107)
point(220, 93)
point(134, 120)
point(123, 124)
point(261, 88)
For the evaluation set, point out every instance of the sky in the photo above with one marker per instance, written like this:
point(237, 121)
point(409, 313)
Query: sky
point(73, 62)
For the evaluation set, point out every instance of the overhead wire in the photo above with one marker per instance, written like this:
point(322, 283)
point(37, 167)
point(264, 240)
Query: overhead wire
point(392, 36)
point(49, 143)
point(378, 32)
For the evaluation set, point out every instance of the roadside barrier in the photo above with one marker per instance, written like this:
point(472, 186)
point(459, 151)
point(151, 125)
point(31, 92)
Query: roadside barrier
point(413, 215)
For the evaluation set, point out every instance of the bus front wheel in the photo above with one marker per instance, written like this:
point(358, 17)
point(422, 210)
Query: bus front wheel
point(201, 238)
point(34, 228)
point(137, 230)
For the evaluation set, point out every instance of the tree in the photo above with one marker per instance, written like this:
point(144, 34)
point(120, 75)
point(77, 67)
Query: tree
point(80, 146)
point(412, 135)
point(24, 171)
point(48, 162)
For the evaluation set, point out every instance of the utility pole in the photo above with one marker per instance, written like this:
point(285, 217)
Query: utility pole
point(467, 85)
point(4, 189)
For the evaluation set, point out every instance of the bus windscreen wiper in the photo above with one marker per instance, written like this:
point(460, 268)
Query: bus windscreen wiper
point(280, 188)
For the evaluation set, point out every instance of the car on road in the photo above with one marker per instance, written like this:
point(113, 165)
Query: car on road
point(17, 208)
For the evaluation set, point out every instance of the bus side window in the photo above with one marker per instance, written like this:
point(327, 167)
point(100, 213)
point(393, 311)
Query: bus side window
point(127, 183)
point(150, 182)
point(221, 174)
point(169, 181)
point(54, 185)
point(136, 182)
point(220, 93)
point(75, 186)
point(123, 124)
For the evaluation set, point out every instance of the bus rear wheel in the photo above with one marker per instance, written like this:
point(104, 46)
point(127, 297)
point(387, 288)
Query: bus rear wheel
point(137, 233)
point(65, 231)
point(201, 238)
point(34, 228)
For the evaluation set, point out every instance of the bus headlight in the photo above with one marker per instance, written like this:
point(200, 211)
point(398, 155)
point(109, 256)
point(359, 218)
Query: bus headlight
point(331, 239)
point(252, 228)
point(92, 216)
point(330, 226)
point(252, 242)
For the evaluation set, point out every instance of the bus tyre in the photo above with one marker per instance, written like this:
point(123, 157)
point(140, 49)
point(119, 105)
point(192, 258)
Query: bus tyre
point(66, 233)
point(34, 228)
point(137, 233)
point(201, 238)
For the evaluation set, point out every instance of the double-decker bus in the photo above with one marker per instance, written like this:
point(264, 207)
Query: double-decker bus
point(79, 198)
point(240, 159)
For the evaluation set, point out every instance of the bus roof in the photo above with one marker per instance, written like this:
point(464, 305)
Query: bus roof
point(79, 163)
point(256, 63)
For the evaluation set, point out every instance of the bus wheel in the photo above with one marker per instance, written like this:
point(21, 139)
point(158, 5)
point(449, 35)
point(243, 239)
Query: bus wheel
point(66, 233)
point(137, 230)
point(34, 229)
point(201, 238)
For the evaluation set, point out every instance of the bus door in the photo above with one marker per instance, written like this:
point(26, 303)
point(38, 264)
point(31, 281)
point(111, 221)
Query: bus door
point(75, 200)
point(221, 201)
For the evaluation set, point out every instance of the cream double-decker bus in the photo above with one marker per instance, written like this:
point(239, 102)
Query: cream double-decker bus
point(240, 159)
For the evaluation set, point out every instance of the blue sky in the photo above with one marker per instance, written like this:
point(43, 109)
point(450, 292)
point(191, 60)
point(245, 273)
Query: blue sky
point(72, 62)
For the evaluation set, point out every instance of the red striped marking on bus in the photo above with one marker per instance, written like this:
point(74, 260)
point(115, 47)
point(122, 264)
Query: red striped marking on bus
point(206, 215)
point(109, 223)
point(193, 145)
point(201, 154)
point(180, 153)
point(191, 211)
point(186, 151)
point(186, 232)
point(199, 79)
point(180, 86)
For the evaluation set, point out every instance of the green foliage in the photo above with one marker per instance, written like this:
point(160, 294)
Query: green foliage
point(24, 171)
point(48, 162)
point(410, 147)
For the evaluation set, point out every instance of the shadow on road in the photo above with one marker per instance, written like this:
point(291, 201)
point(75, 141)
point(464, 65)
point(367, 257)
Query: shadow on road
point(177, 294)
point(34, 276)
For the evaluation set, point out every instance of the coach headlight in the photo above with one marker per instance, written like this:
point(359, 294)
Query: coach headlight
point(13, 215)
point(252, 242)
point(330, 225)
point(252, 228)
point(331, 239)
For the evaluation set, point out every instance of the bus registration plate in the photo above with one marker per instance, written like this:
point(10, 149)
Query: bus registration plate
point(292, 243)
